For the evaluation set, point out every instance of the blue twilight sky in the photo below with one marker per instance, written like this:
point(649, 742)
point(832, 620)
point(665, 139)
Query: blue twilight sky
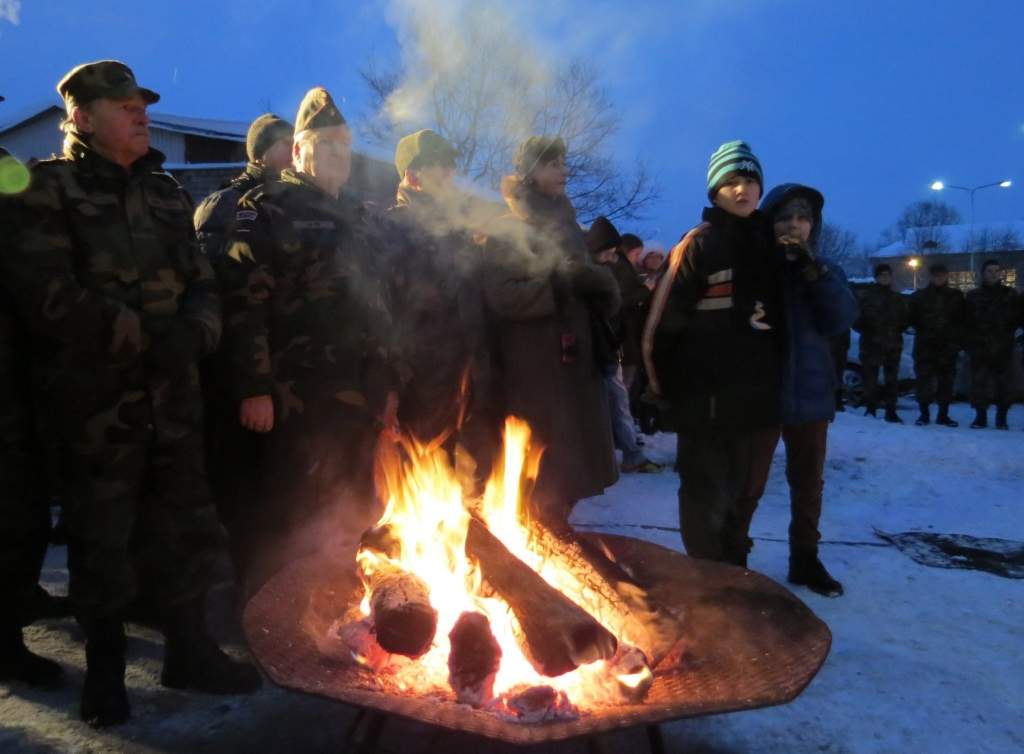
point(869, 100)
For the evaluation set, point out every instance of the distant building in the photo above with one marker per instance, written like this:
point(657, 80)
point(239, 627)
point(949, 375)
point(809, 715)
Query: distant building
point(201, 153)
point(954, 246)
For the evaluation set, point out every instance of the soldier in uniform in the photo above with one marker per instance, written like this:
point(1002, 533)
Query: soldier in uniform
point(883, 318)
point(121, 305)
point(232, 452)
point(308, 338)
point(936, 314)
point(24, 504)
point(991, 320)
point(441, 328)
point(268, 145)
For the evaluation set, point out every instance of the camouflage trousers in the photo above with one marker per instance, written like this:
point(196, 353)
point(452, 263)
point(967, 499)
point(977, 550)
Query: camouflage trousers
point(141, 522)
point(24, 513)
point(991, 382)
point(889, 363)
point(934, 376)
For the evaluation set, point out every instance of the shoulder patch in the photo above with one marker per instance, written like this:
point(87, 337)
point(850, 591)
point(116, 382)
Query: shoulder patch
point(246, 215)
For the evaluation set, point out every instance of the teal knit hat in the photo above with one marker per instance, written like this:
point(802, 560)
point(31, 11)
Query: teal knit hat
point(732, 157)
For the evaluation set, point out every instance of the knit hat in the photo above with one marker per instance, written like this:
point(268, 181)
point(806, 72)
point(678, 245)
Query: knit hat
point(880, 268)
point(318, 110)
point(263, 133)
point(732, 157)
point(602, 236)
point(422, 149)
point(538, 150)
point(631, 241)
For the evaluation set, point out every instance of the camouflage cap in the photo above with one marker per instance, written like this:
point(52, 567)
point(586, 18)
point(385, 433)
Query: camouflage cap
point(537, 150)
point(422, 149)
point(104, 79)
point(318, 111)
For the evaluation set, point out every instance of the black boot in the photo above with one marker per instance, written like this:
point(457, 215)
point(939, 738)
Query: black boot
point(1001, 413)
point(840, 404)
point(104, 698)
point(980, 419)
point(943, 417)
point(925, 418)
point(192, 659)
point(891, 416)
point(46, 605)
point(871, 411)
point(19, 664)
point(806, 570)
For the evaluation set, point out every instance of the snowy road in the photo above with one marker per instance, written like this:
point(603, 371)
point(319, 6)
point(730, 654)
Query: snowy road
point(924, 659)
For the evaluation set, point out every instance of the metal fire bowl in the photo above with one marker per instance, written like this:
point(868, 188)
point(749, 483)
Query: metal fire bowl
point(746, 642)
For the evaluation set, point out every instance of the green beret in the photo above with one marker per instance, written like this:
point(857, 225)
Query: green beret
point(104, 79)
point(538, 150)
point(422, 149)
point(318, 111)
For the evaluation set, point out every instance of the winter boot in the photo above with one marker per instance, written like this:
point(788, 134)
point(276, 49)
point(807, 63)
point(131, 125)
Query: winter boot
point(17, 663)
point(1001, 413)
point(806, 570)
point(840, 405)
point(943, 417)
point(46, 605)
point(192, 659)
point(871, 411)
point(104, 698)
point(925, 418)
point(980, 419)
point(891, 416)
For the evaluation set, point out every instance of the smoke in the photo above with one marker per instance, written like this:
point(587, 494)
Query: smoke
point(10, 10)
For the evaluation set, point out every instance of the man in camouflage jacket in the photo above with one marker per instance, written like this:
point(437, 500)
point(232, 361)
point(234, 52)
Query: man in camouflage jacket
point(108, 276)
point(937, 316)
point(307, 336)
point(883, 318)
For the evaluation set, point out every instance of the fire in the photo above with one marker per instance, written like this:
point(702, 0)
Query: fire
point(424, 531)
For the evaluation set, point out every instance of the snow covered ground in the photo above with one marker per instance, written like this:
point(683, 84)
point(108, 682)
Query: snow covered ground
point(924, 659)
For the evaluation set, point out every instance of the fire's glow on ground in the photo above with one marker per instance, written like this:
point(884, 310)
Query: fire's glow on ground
point(429, 513)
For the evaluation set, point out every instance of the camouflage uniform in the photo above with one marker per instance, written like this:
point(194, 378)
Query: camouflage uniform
point(883, 318)
point(307, 324)
point(937, 316)
point(991, 319)
point(24, 509)
point(107, 267)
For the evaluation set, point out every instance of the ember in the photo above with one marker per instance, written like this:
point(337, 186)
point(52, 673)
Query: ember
point(493, 608)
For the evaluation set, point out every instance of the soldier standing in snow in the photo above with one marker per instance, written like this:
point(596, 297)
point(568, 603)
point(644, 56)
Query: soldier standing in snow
point(992, 319)
point(883, 318)
point(108, 276)
point(937, 316)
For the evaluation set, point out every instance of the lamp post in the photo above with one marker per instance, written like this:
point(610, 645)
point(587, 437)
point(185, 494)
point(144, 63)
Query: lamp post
point(940, 186)
point(914, 263)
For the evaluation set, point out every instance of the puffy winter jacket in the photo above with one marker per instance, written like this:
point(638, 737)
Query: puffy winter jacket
point(815, 313)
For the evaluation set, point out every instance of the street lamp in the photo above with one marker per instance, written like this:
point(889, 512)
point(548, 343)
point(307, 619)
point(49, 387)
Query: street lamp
point(914, 263)
point(940, 186)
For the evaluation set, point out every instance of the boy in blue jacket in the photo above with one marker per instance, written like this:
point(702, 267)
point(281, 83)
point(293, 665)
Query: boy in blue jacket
point(818, 304)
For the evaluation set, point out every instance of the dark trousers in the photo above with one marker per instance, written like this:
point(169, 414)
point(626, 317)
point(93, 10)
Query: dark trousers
point(934, 378)
point(889, 363)
point(991, 382)
point(722, 474)
point(806, 445)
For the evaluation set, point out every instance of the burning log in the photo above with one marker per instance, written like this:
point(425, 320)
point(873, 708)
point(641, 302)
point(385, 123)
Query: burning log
point(557, 635)
point(650, 627)
point(474, 659)
point(400, 609)
point(537, 704)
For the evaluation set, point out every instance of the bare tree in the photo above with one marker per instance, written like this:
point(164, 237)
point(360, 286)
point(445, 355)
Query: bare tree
point(996, 239)
point(486, 107)
point(921, 223)
point(837, 244)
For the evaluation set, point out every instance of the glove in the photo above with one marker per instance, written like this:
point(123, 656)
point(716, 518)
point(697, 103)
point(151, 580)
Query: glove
point(178, 348)
point(802, 256)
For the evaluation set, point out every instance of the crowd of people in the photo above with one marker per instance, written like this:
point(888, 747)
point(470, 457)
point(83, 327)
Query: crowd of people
point(218, 377)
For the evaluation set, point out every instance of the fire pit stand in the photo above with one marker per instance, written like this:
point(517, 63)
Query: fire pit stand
point(746, 643)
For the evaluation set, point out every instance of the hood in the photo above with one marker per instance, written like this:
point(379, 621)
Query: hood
point(779, 195)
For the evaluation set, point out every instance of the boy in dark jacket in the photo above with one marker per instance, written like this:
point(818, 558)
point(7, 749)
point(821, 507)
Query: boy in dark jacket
point(818, 305)
point(715, 355)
